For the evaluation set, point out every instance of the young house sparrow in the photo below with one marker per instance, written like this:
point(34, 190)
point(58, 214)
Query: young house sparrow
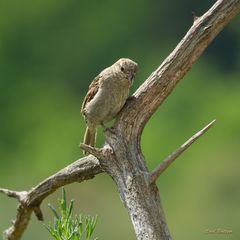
point(106, 96)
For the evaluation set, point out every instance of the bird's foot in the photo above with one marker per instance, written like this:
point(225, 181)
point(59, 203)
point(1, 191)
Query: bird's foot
point(109, 130)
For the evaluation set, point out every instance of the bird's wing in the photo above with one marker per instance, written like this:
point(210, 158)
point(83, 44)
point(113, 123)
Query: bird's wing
point(93, 88)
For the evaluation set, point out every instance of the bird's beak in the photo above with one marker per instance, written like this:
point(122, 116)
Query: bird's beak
point(131, 77)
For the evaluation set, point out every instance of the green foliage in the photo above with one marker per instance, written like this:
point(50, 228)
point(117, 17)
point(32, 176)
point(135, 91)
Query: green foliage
point(65, 227)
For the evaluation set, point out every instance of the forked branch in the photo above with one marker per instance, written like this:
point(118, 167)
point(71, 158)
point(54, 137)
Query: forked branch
point(152, 93)
point(82, 169)
point(13, 194)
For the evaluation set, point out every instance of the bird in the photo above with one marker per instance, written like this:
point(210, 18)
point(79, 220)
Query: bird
point(106, 96)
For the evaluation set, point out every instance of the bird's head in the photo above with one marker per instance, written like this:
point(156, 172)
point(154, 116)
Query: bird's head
point(127, 67)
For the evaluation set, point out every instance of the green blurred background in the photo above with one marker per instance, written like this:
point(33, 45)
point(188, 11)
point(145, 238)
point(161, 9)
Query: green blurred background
point(49, 53)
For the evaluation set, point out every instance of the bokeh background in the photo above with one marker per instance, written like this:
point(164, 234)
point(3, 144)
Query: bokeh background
point(49, 53)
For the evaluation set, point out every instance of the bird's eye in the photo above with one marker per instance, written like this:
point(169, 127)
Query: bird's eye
point(122, 69)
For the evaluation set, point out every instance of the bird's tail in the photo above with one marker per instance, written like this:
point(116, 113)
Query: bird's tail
point(90, 138)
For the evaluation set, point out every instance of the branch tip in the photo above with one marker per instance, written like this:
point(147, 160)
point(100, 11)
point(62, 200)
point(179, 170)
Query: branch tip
point(38, 213)
point(170, 159)
point(195, 17)
point(14, 194)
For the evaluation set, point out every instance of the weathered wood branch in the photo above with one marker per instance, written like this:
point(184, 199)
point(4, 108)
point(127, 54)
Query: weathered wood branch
point(151, 94)
point(174, 155)
point(121, 156)
point(13, 194)
point(82, 169)
point(127, 167)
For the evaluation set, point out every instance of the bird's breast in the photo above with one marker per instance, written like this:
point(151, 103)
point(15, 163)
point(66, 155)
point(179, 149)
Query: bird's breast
point(106, 104)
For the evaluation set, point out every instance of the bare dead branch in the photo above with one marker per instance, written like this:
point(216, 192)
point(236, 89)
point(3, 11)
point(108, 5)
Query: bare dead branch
point(13, 194)
point(19, 225)
point(174, 155)
point(38, 213)
point(82, 169)
point(92, 150)
point(152, 93)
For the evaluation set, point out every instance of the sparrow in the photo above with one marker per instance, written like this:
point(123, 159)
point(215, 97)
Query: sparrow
point(106, 96)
